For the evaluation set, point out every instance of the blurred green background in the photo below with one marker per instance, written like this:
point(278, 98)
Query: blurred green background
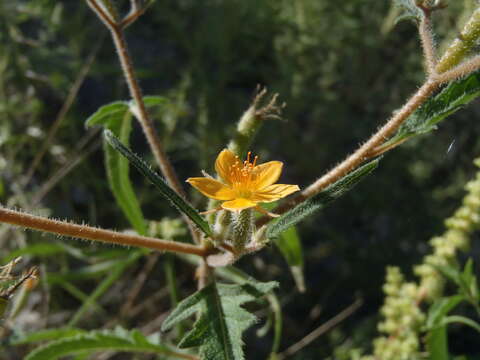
point(341, 67)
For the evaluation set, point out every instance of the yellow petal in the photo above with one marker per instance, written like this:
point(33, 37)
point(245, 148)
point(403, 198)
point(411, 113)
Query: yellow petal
point(274, 192)
point(238, 204)
point(223, 163)
point(267, 174)
point(212, 188)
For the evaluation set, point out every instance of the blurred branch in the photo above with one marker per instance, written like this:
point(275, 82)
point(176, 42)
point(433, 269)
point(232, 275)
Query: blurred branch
point(322, 329)
point(72, 94)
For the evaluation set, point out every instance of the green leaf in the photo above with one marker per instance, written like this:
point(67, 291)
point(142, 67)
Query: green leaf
point(45, 335)
point(117, 118)
point(450, 272)
point(290, 246)
point(104, 285)
point(117, 340)
point(176, 200)
point(437, 344)
point(441, 308)
point(462, 320)
point(38, 249)
point(451, 99)
point(469, 281)
point(153, 100)
point(324, 198)
point(218, 330)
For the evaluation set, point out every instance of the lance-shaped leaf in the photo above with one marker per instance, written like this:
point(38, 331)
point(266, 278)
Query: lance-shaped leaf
point(117, 118)
point(318, 202)
point(117, 340)
point(448, 101)
point(159, 183)
point(218, 330)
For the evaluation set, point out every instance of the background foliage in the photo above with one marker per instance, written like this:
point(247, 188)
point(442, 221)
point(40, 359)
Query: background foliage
point(341, 68)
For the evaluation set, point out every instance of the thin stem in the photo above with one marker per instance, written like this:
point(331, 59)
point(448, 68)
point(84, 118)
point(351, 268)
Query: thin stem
point(459, 71)
point(90, 233)
point(322, 329)
point(143, 117)
point(141, 113)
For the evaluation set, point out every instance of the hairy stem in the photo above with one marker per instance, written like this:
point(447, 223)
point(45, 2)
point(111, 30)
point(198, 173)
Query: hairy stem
point(363, 153)
point(116, 30)
point(428, 45)
point(90, 233)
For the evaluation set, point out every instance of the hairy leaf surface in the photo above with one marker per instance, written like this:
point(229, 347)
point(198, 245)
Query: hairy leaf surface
point(166, 191)
point(218, 330)
point(325, 197)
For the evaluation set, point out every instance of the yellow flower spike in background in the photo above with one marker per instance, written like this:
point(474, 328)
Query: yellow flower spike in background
point(244, 184)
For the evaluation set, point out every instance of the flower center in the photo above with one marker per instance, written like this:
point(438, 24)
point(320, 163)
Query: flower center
point(242, 176)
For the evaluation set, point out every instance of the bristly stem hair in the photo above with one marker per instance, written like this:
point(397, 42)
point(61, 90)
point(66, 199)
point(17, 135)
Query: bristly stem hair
point(29, 221)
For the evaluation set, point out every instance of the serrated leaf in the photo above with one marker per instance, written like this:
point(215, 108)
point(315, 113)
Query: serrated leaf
point(167, 192)
point(218, 330)
point(324, 198)
point(441, 308)
point(290, 246)
point(448, 101)
point(117, 118)
point(117, 340)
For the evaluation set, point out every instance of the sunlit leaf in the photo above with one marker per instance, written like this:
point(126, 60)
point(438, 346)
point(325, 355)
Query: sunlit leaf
point(218, 330)
point(117, 118)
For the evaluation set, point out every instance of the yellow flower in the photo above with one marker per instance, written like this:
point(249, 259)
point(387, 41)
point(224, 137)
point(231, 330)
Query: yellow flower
point(244, 184)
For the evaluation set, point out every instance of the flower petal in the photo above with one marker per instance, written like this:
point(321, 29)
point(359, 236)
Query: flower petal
point(238, 204)
point(224, 161)
point(274, 192)
point(267, 174)
point(212, 188)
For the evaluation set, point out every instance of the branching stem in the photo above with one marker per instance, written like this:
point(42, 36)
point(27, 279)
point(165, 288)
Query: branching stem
point(116, 30)
point(90, 233)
